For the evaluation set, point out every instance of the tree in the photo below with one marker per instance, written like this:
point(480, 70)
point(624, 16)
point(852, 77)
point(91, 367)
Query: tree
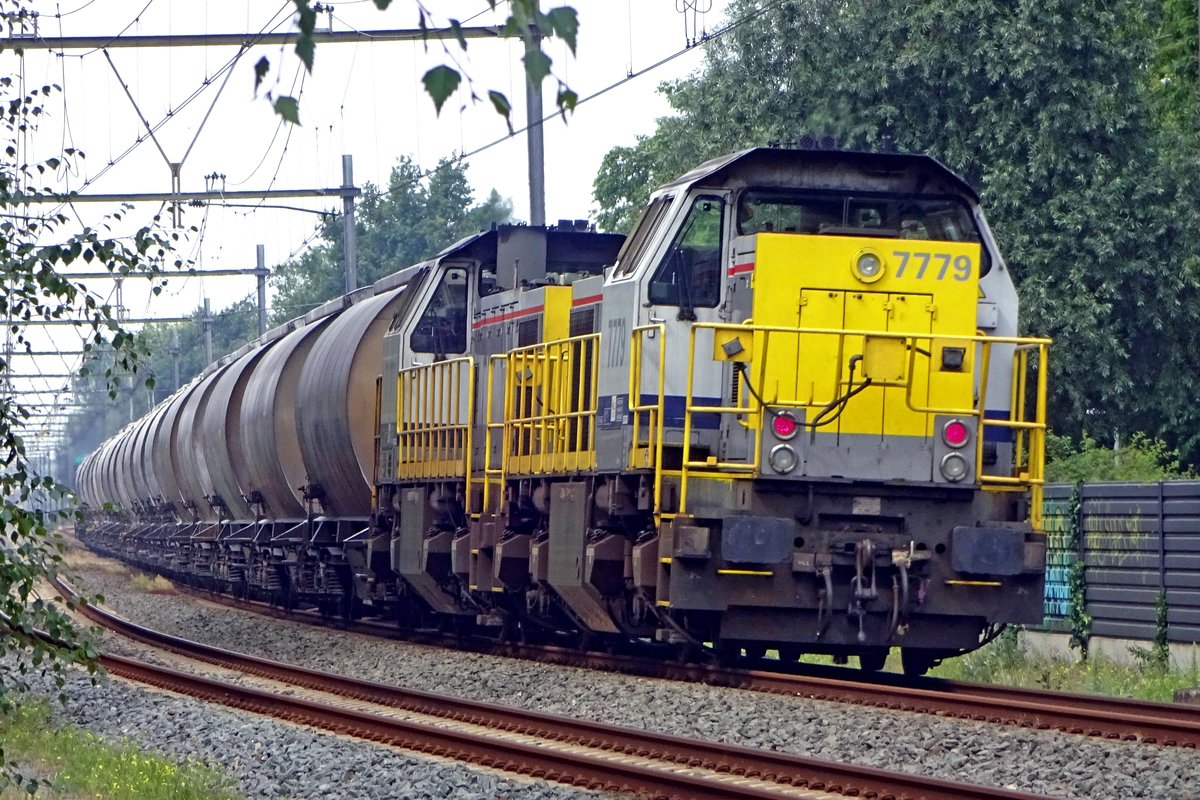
point(34, 247)
point(411, 220)
point(1045, 108)
point(1175, 69)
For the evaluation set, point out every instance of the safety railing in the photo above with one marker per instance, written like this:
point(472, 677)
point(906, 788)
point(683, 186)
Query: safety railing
point(548, 423)
point(646, 403)
point(435, 407)
point(1027, 425)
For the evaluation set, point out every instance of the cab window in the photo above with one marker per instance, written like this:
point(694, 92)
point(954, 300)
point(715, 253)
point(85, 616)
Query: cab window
point(643, 230)
point(690, 274)
point(442, 329)
point(889, 216)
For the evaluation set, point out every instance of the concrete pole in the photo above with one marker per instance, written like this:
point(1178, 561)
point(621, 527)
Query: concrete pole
point(207, 323)
point(537, 147)
point(349, 231)
point(174, 351)
point(262, 290)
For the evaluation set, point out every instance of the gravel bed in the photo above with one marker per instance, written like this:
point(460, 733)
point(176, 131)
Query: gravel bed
point(1044, 762)
point(268, 759)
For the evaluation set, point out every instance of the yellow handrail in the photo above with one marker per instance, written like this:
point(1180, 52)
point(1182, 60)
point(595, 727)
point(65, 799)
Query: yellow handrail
point(650, 456)
point(1029, 433)
point(551, 392)
point(492, 475)
point(435, 415)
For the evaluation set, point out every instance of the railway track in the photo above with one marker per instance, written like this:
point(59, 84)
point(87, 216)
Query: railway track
point(1087, 715)
point(582, 753)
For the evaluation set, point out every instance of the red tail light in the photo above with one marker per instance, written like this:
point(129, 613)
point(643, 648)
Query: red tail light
point(784, 426)
point(955, 433)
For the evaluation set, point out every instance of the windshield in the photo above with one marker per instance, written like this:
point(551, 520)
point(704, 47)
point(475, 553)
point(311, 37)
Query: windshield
point(939, 219)
point(643, 230)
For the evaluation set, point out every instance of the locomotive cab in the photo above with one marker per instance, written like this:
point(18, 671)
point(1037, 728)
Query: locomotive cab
point(851, 430)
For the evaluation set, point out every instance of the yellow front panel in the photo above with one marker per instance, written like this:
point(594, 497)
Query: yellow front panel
point(865, 311)
point(910, 313)
point(926, 289)
point(819, 308)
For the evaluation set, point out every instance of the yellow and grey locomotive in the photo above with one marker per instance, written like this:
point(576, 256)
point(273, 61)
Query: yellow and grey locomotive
point(789, 411)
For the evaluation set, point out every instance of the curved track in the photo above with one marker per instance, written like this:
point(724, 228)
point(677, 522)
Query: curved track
point(1089, 715)
point(582, 753)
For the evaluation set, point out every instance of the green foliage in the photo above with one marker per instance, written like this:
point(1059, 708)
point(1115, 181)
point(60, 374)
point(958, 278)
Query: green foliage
point(408, 221)
point(288, 108)
point(1141, 459)
point(1174, 77)
point(34, 247)
point(441, 82)
point(1042, 106)
point(1017, 665)
point(1157, 657)
point(526, 21)
point(75, 762)
point(1078, 620)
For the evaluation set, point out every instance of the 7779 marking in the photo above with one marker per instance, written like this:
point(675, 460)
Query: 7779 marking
point(941, 263)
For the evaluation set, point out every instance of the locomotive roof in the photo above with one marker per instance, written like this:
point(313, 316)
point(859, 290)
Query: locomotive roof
point(918, 170)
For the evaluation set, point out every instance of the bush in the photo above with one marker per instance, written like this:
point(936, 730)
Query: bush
point(1142, 459)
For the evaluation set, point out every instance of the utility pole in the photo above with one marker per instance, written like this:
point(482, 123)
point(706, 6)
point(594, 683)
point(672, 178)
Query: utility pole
point(536, 145)
point(261, 273)
point(349, 230)
point(174, 351)
point(206, 322)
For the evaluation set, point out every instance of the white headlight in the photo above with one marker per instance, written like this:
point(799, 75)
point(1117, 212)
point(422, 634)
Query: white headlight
point(954, 467)
point(783, 458)
point(868, 266)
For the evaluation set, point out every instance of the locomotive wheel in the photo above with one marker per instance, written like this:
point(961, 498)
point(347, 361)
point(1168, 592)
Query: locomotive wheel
point(727, 653)
point(789, 654)
point(915, 662)
point(873, 660)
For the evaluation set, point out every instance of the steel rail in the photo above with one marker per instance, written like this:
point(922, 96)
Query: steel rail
point(604, 772)
point(1089, 715)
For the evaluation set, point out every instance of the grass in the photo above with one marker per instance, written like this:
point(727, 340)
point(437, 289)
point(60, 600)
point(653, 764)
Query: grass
point(1006, 661)
point(77, 764)
point(151, 584)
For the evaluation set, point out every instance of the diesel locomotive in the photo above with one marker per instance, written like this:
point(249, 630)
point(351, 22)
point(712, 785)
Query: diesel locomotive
point(790, 411)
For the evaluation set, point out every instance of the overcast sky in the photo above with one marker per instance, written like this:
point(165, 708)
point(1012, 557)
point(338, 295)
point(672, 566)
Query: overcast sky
point(364, 100)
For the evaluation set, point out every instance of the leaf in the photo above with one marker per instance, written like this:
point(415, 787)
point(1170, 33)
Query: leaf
point(537, 65)
point(308, 18)
point(502, 106)
point(440, 82)
point(306, 49)
point(288, 108)
point(566, 99)
point(457, 30)
point(260, 71)
point(564, 23)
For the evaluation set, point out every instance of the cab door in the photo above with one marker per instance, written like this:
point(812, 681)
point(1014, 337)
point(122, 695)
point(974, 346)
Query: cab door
point(686, 286)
